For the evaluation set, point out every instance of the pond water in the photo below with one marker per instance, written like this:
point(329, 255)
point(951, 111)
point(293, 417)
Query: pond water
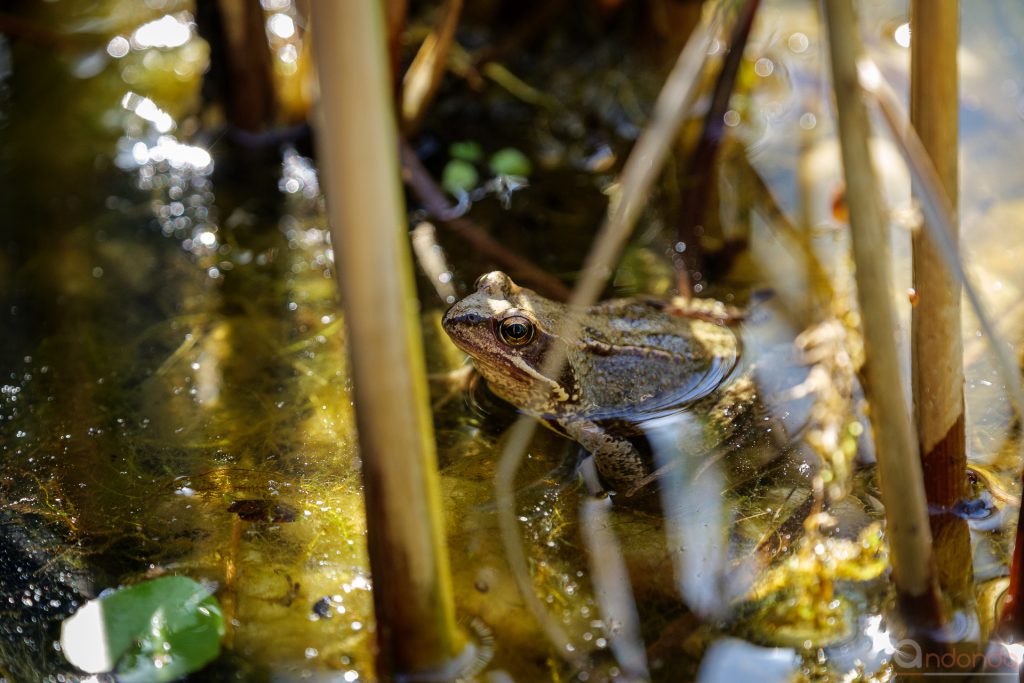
point(174, 397)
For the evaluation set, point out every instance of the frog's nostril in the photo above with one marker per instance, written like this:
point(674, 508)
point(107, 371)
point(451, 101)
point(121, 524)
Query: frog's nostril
point(459, 317)
point(446, 319)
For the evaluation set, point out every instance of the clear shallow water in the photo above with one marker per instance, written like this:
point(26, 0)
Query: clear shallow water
point(174, 397)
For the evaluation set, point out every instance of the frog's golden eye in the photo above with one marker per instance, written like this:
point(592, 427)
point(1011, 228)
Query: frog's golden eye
point(516, 330)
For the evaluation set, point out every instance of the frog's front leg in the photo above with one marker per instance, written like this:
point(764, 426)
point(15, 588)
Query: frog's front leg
point(618, 461)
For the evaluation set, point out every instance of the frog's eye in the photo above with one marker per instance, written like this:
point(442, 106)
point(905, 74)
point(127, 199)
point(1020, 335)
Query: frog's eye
point(515, 330)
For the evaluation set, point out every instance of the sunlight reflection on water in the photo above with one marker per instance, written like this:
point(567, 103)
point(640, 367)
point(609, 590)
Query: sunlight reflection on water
point(166, 32)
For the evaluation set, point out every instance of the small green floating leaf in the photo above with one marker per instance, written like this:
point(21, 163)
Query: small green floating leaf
point(510, 161)
point(459, 177)
point(466, 150)
point(154, 631)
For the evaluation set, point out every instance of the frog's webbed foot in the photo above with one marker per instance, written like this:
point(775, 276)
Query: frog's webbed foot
point(445, 386)
point(618, 461)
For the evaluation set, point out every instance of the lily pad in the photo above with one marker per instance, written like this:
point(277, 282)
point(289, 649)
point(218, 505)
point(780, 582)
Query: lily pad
point(154, 631)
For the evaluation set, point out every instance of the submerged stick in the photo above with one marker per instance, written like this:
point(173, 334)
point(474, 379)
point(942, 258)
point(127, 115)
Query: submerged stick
point(936, 338)
point(899, 467)
point(413, 599)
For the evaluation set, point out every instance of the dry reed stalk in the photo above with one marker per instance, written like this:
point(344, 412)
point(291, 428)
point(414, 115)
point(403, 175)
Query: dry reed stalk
point(899, 468)
point(396, 14)
point(423, 78)
point(416, 629)
point(939, 220)
point(936, 346)
point(249, 85)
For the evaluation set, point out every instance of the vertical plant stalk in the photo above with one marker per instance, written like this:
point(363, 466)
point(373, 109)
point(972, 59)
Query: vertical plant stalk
point(936, 340)
point(248, 81)
point(1011, 617)
point(899, 468)
point(416, 629)
point(423, 78)
point(699, 176)
point(939, 220)
point(396, 13)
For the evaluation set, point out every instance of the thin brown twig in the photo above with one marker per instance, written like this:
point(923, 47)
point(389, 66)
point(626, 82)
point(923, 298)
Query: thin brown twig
point(419, 180)
point(698, 177)
point(938, 212)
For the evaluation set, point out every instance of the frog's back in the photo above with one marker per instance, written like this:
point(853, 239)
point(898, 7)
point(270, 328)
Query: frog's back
point(636, 357)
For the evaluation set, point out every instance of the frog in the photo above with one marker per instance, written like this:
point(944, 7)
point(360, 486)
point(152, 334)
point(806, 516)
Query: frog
point(632, 360)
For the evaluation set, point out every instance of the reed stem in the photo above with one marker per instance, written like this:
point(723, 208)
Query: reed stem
point(416, 630)
point(899, 467)
point(936, 341)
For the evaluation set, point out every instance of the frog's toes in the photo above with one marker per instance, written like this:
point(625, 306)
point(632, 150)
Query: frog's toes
point(445, 386)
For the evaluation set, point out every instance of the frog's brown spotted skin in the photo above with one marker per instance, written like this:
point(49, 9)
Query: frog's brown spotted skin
point(631, 359)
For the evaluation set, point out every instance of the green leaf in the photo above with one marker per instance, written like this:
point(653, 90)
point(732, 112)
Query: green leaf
point(459, 177)
point(151, 632)
point(510, 161)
